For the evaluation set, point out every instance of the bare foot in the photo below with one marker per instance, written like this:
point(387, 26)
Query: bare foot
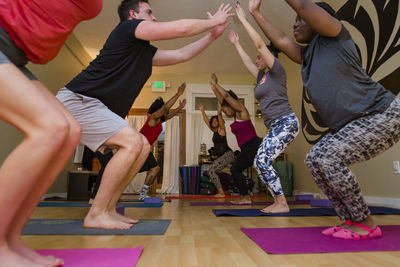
point(104, 221)
point(242, 200)
point(276, 208)
point(11, 258)
point(123, 218)
point(220, 192)
point(28, 253)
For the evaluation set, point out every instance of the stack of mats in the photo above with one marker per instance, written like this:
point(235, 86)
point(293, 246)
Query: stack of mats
point(190, 179)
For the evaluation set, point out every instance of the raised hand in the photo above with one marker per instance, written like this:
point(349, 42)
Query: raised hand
point(241, 14)
point(222, 14)
point(181, 89)
point(201, 107)
point(254, 5)
point(214, 79)
point(182, 103)
point(217, 31)
point(233, 37)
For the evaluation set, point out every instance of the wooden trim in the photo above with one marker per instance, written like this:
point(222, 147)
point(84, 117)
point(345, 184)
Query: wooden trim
point(182, 134)
point(138, 111)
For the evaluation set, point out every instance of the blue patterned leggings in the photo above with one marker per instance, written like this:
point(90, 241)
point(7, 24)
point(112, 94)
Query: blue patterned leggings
point(283, 131)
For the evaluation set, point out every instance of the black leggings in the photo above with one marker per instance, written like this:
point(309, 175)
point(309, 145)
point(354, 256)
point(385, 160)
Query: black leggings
point(244, 160)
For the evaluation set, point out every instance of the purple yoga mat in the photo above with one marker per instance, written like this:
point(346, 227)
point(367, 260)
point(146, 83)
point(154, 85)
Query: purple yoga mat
point(209, 203)
point(299, 240)
point(99, 257)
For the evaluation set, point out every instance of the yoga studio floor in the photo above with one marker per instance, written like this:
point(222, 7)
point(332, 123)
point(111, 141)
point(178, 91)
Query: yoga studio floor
point(196, 237)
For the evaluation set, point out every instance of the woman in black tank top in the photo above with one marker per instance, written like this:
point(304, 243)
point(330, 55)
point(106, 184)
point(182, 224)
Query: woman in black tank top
point(222, 150)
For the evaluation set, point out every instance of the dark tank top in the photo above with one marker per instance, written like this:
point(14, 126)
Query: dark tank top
point(220, 144)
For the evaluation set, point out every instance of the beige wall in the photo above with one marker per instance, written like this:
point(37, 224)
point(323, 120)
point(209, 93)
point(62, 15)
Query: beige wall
point(54, 75)
point(376, 176)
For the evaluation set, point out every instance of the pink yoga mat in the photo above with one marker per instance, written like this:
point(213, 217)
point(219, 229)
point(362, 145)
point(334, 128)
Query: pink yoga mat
point(310, 240)
point(99, 257)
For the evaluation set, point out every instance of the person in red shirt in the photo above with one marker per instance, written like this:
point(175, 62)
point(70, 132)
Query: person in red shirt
point(152, 128)
point(33, 31)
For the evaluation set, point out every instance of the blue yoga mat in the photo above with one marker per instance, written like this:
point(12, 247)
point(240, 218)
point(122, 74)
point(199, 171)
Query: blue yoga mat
point(299, 212)
point(84, 204)
point(75, 227)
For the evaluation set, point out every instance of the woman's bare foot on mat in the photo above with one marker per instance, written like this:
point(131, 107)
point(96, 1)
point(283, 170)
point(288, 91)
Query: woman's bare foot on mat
point(280, 206)
point(276, 208)
point(242, 200)
point(220, 193)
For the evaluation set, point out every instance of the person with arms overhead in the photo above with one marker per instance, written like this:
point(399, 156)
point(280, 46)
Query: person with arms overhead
point(277, 113)
point(363, 117)
point(224, 153)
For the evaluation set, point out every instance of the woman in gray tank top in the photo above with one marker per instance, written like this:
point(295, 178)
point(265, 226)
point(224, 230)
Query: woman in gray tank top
point(363, 117)
point(277, 113)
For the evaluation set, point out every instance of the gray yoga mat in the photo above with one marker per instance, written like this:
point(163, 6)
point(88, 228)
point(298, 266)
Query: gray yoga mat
point(75, 227)
point(85, 204)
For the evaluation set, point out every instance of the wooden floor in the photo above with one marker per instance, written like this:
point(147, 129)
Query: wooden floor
point(196, 237)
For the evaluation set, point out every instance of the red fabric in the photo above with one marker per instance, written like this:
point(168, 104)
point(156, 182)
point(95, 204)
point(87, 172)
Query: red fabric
point(151, 133)
point(40, 28)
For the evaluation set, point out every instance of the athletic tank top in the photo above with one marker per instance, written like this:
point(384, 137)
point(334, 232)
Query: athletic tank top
point(40, 28)
point(220, 144)
point(244, 131)
point(151, 133)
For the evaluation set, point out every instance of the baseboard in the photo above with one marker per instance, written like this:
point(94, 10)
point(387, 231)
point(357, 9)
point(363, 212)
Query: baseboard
point(61, 195)
point(381, 201)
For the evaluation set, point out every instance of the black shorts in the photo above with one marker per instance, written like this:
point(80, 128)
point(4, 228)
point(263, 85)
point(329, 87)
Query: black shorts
point(149, 164)
point(11, 53)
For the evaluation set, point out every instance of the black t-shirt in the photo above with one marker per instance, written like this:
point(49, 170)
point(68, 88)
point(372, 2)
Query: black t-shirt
point(338, 86)
point(116, 76)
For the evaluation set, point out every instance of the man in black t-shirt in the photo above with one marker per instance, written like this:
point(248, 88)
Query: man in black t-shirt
point(101, 95)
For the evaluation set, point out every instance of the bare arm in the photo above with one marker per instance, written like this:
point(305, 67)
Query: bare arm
point(277, 37)
point(255, 37)
point(176, 111)
point(155, 116)
point(221, 122)
point(315, 16)
point(172, 100)
point(234, 38)
point(235, 104)
point(205, 118)
point(172, 57)
point(219, 97)
point(153, 31)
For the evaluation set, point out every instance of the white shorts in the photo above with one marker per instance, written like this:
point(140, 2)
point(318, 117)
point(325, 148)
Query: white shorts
point(98, 123)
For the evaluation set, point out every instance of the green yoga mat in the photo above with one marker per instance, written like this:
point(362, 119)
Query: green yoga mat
point(85, 204)
point(75, 227)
